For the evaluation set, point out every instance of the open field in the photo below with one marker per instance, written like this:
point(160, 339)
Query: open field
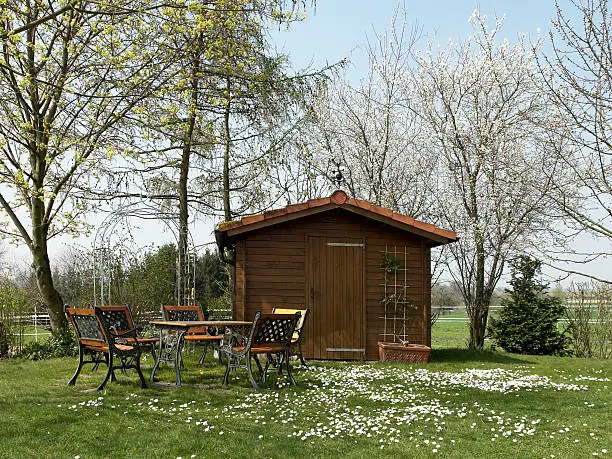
point(463, 404)
point(30, 334)
point(452, 330)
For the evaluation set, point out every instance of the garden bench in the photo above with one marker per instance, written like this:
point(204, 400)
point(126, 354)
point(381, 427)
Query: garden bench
point(296, 339)
point(194, 334)
point(119, 319)
point(96, 340)
point(271, 335)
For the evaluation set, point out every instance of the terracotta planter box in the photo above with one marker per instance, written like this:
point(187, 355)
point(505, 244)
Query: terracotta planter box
point(396, 352)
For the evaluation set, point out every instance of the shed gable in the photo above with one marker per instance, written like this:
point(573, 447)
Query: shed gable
point(434, 235)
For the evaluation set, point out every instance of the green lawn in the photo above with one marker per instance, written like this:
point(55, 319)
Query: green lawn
point(450, 331)
point(463, 404)
point(28, 334)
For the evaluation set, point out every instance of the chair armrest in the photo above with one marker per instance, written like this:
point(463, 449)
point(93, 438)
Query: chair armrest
point(120, 338)
point(133, 333)
point(232, 338)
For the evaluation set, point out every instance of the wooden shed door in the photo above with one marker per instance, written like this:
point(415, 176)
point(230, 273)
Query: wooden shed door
point(335, 295)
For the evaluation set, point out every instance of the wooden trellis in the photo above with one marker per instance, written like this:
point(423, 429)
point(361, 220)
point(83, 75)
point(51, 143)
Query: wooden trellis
point(395, 299)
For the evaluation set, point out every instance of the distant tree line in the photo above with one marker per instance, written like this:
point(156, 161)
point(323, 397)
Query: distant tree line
point(145, 281)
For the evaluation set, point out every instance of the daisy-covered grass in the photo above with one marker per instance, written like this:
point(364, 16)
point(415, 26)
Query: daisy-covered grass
point(463, 404)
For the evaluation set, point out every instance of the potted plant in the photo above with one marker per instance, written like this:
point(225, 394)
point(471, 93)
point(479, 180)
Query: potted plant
point(403, 351)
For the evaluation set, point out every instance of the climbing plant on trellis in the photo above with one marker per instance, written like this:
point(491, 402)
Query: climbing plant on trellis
point(398, 307)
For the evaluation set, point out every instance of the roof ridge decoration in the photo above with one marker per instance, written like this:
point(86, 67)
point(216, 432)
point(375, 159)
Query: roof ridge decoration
point(338, 199)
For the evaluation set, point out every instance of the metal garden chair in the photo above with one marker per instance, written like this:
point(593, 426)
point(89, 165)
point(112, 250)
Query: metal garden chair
point(95, 340)
point(298, 334)
point(194, 334)
point(119, 319)
point(270, 335)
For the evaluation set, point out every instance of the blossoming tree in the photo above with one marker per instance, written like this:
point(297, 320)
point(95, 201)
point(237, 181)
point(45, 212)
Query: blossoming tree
point(477, 101)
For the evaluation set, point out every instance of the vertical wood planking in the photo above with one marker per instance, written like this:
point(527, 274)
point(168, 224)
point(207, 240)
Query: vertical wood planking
point(343, 300)
point(287, 260)
point(243, 290)
point(427, 290)
point(239, 271)
point(322, 292)
point(423, 290)
point(312, 341)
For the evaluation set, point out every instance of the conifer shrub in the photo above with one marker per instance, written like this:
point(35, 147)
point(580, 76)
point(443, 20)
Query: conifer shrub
point(527, 322)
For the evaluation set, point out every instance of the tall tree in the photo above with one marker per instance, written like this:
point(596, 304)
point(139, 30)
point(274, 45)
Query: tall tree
point(579, 81)
point(256, 102)
point(477, 101)
point(67, 81)
point(371, 131)
point(227, 113)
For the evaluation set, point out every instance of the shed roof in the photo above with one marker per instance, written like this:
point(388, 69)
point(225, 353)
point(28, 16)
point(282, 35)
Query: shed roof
point(338, 199)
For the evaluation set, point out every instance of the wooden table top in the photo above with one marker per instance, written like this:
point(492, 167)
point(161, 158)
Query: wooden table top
point(200, 323)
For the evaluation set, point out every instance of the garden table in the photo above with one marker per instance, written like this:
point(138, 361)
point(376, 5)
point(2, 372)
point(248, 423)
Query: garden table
point(170, 344)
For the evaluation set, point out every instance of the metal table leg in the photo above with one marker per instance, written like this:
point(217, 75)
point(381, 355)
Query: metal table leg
point(170, 345)
point(177, 356)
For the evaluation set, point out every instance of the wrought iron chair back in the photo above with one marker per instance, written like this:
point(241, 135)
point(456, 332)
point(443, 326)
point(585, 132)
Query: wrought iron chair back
point(269, 334)
point(298, 334)
point(87, 326)
point(103, 344)
point(194, 334)
point(274, 329)
point(301, 321)
point(119, 319)
point(185, 313)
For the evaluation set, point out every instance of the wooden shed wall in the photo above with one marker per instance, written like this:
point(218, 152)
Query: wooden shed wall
point(271, 270)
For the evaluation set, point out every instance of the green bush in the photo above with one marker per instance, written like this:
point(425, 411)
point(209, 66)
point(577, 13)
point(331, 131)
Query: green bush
point(589, 319)
point(62, 343)
point(527, 322)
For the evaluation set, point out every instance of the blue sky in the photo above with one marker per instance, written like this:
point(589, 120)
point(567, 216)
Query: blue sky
point(336, 29)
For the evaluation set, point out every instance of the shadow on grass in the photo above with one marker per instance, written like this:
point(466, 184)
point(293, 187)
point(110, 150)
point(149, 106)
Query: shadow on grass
point(473, 355)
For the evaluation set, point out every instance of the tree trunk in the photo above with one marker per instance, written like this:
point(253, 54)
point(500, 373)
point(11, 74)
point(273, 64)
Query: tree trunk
point(478, 326)
point(227, 209)
point(182, 280)
point(183, 243)
point(42, 268)
point(479, 310)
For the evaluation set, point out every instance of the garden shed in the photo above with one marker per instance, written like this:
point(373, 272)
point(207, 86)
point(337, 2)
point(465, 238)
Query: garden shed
point(363, 270)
